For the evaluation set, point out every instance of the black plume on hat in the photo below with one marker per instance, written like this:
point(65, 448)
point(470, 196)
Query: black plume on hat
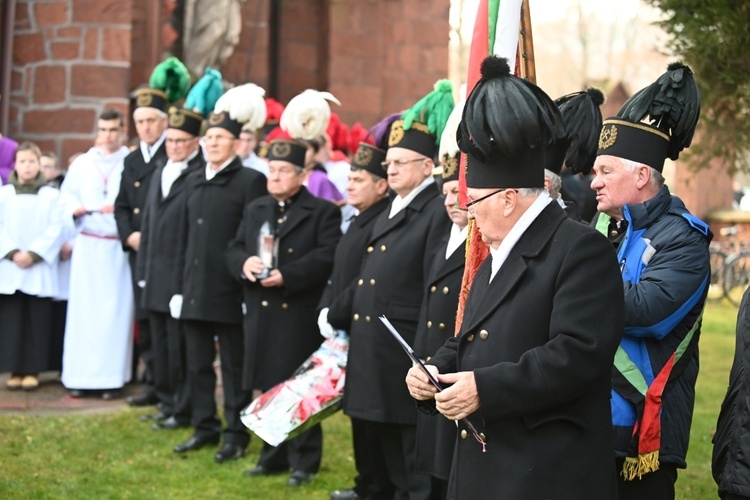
point(672, 104)
point(506, 114)
point(582, 119)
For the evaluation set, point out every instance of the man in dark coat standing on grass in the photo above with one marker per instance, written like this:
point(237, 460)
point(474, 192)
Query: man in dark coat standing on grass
point(210, 299)
point(280, 327)
point(437, 323)
point(367, 192)
point(164, 211)
point(530, 368)
point(150, 119)
point(405, 238)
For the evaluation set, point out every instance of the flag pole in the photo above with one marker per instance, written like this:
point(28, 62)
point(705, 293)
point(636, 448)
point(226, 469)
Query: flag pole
point(526, 44)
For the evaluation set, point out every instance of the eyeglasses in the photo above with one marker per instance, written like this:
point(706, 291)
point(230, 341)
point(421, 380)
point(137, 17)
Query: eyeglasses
point(399, 163)
point(474, 202)
point(177, 142)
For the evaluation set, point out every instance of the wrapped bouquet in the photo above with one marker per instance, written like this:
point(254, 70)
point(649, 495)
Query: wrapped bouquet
point(311, 395)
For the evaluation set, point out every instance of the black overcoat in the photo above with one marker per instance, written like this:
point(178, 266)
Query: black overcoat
point(540, 339)
point(436, 435)
point(281, 328)
point(130, 205)
point(160, 238)
point(392, 283)
point(214, 212)
point(350, 251)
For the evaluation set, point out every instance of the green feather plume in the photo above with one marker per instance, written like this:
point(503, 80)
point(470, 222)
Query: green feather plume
point(433, 109)
point(172, 77)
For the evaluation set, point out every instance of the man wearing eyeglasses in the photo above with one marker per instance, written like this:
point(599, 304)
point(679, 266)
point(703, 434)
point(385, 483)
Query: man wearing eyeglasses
point(150, 119)
point(208, 298)
point(530, 367)
point(399, 253)
point(164, 210)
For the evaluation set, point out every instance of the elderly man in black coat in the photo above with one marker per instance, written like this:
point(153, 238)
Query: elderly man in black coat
point(281, 299)
point(209, 300)
point(404, 240)
point(530, 367)
point(164, 210)
point(437, 323)
point(150, 119)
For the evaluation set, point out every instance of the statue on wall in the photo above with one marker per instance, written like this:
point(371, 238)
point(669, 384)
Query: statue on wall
point(210, 33)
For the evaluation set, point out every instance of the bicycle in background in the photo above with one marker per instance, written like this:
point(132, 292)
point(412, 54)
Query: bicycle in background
point(730, 267)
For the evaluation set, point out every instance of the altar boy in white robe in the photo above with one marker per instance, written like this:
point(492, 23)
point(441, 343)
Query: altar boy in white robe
point(97, 354)
point(31, 233)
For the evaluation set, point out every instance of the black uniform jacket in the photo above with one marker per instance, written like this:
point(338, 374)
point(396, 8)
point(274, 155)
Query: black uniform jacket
point(347, 264)
point(437, 319)
point(130, 205)
point(392, 283)
point(436, 435)
point(134, 187)
point(540, 339)
point(160, 231)
point(281, 328)
point(214, 212)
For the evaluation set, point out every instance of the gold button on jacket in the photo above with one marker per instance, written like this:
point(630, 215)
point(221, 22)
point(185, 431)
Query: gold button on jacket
point(464, 434)
point(484, 334)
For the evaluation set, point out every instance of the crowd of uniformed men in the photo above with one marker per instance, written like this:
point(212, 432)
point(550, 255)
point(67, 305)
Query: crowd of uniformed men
point(572, 372)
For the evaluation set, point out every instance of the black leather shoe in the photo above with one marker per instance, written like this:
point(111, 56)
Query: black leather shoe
point(300, 477)
point(345, 495)
point(170, 423)
point(157, 417)
point(259, 470)
point(142, 400)
point(76, 393)
point(196, 443)
point(111, 394)
point(229, 452)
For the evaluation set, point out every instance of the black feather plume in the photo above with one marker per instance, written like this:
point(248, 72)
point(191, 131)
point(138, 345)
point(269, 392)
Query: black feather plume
point(672, 104)
point(583, 123)
point(506, 113)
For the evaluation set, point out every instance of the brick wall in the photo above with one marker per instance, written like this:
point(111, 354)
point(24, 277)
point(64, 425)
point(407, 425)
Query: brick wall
point(385, 55)
point(249, 61)
point(71, 60)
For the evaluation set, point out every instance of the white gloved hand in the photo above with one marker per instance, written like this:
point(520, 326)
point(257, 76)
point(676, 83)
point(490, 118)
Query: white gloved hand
point(326, 330)
point(175, 306)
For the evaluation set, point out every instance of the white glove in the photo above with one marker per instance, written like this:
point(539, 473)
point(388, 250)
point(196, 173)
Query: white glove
point(175, 306)
point(326, 330)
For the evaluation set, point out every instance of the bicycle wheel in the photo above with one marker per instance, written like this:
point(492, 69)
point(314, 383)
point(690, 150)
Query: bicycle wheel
point(716, 287)
point(736, 276)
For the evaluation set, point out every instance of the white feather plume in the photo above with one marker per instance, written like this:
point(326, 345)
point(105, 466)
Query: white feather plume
point(245, 104)
point(307, 114)
point(448, 143)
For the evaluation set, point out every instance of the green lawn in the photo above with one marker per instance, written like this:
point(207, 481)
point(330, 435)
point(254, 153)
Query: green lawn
point(116, 456)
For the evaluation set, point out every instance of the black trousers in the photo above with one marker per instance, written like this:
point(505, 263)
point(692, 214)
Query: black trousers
point(391, 449)
point(658, 485)
point(300, 453)
point(142, 348)
point(201, 352)
point(169, 360)
point(363, 481)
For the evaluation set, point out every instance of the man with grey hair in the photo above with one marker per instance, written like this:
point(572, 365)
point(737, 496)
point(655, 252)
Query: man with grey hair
point(529, 370)
point(663, 253)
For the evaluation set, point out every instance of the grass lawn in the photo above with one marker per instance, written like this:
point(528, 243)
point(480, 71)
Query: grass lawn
point(115, 456)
